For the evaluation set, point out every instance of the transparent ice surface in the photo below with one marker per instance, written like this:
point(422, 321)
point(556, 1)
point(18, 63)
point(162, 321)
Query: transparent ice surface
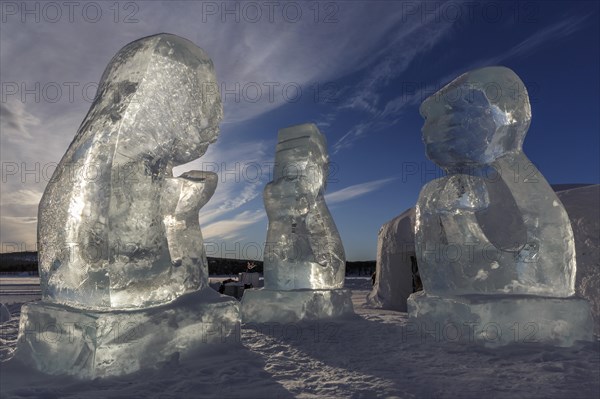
point(116, 229)
point(304, 249)
point(290, 306)
point(497, 320)
point(493, 224)
point(58, 339)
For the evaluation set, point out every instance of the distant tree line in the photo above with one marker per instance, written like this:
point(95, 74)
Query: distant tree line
point(227, 266)
point(27, 262)
point(360, 268)
point(18, 262)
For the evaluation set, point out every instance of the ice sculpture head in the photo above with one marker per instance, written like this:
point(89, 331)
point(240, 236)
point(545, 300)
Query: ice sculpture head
point(184, 88)
point(301, 157)
point(479, 116)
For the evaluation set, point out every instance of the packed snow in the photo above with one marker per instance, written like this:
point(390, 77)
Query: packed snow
point(372, 354)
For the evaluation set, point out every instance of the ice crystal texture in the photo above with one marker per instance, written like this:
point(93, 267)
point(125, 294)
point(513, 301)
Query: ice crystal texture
point(492, 224)
point(116, 229)
point(304, 249)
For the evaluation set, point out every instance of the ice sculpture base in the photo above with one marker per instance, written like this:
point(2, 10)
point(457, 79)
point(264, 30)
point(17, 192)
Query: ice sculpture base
point(497, 320)
point(58, 339)
point(264, 306)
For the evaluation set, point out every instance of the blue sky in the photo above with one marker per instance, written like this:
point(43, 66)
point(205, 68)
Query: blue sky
point(358, 69)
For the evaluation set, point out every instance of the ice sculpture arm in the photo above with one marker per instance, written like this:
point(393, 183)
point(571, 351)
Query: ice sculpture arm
point(447, 215)
point(452, 202)
point(183, 197)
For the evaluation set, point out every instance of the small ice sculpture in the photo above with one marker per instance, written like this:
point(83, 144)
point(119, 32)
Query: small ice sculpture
point(304, 248)
point(492, 226)
point(304, 258)
point(119, 238)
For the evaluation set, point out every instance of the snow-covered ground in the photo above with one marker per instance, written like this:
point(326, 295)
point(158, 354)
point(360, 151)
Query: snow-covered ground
point(374, 354)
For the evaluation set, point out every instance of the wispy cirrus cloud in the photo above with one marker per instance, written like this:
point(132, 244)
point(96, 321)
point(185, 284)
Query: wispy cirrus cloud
point(382, 115)
point(411, 38)
point(22, 197)
point(270, 55)
point(231, 228)
point(228, 229)
point(20, 219)
point(357, 190)
point(353, 134)
point(17, 233)
point(221, 204)
point(15, 120)
point(242, 171)
point(556, 31)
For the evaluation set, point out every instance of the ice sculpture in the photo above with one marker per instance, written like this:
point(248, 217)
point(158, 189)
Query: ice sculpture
point(494, 244)
point(103, 216)
point(120, 246)
point(304, 249)
point(304, 261)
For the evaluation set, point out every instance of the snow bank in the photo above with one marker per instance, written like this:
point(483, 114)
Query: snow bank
point(395, 247)
point(376, 354)
point(583, 206)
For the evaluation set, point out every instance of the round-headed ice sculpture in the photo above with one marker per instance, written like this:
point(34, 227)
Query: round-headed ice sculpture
point(116, 229)
point(492, 225)
point(304, 249)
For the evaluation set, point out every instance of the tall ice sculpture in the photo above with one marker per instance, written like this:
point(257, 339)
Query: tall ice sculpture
point(494, 244)
point(304, 261)
point(122, 265)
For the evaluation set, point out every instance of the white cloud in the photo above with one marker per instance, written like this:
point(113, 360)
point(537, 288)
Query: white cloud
point(347, 139)
point(228, 229)
point(366, 96)
point(273, 56)
point(561, 29)
point(21, 197)
point(377, 40)
point(15, 120)
point(17, 233)
point(556, 31)
point(242, 170)
point(357, 190)
point(20, 219)
point(18, 227)
point(264, 54)
point(412, 38)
